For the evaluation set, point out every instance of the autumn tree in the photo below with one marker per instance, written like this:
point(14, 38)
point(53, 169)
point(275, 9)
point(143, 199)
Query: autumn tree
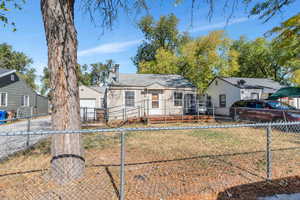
point(161, 39)
point(206, 57)
point(288, 41)
point(262, 58)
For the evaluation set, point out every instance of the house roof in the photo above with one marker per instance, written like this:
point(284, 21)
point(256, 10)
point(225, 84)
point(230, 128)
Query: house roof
point(4, 72)
point(253, 83)
point(144, 80)
point(98, 88)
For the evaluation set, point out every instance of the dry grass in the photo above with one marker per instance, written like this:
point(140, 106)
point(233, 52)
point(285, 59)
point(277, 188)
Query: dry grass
point(196, 164)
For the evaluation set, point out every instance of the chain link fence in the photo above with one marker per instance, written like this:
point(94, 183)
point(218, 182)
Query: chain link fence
point(161, 162)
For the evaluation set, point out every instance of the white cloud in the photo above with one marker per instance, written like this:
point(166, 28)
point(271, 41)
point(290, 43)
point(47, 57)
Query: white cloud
point(114, 47)
point(219, 25)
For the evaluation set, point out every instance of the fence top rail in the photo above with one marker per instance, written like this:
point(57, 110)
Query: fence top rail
point(107, 130)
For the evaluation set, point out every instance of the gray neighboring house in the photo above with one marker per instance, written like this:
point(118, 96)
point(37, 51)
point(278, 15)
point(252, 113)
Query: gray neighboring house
point(137, 95)
point(18, 97)
point(222, 92)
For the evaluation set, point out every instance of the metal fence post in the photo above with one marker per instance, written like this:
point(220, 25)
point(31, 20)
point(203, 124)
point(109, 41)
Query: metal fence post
point(122, 167)
point(28, 130)
point(269, 153)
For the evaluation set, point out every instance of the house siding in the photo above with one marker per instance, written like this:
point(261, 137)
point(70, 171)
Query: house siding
point(232, 93)
point(15, 90)
point(143, 105)
point(89, 93)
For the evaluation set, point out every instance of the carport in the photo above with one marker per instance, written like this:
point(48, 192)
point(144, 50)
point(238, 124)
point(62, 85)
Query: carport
point(290, 92)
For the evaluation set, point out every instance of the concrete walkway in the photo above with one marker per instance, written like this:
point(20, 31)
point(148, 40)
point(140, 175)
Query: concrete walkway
point(12, 144)
point(295, 196)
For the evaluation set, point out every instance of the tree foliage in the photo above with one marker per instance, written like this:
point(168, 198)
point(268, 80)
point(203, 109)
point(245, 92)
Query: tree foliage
point(100, 72)
point(162, 38)
point(5, 7)
point(265, 9)
point(10, 59)
point(93, 74)
point(164, 62)
point(288, 41)
point(206, 57)
point(199, 60)
point(268, 8)
point(265, 59)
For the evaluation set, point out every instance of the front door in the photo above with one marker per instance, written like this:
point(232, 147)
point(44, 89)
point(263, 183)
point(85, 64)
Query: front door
point(155, 104)
point(189, 104)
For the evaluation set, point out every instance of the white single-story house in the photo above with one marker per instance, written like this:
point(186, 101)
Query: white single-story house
point(137, 95)
point(223, 92)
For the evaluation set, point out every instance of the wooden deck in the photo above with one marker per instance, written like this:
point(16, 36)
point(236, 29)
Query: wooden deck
point(159, 119)
point(154, 119)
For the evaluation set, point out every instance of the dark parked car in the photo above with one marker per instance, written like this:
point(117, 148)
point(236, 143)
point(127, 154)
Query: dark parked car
point(263, 110)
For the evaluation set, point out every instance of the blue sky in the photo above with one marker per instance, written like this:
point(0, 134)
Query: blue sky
point(120, 44)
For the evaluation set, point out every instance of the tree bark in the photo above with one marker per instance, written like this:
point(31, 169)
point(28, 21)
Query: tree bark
point(67, 161)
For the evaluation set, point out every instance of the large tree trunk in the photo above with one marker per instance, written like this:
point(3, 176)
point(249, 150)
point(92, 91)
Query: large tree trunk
point(67, 161)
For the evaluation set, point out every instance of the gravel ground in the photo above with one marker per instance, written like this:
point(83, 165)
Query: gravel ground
point(12, 144)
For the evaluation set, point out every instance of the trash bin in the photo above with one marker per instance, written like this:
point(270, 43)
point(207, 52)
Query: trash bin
point(3, 115)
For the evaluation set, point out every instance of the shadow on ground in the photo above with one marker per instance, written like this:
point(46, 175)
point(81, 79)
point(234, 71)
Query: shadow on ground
point(252, 191)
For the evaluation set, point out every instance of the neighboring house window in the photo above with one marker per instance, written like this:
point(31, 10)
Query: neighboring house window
point(25, 100)
point(178, 98)
point(129, 98)
point(155, 100)
point(254, 95)
point(222, 99)
point(12, 77)
point(3, 99)
point(209, 102)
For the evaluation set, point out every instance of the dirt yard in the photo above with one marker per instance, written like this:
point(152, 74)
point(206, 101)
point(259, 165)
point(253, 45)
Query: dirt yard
point(181, 165)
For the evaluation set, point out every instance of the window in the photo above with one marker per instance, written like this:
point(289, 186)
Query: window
point(155, 100)
point(222, 100)
point(178, 98)
point(3, 99)
point(209, 102)
point(129, 98)
point(12, 77)
point(25, 100)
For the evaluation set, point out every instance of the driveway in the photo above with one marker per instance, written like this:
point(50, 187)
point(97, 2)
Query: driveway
point(12, 144)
